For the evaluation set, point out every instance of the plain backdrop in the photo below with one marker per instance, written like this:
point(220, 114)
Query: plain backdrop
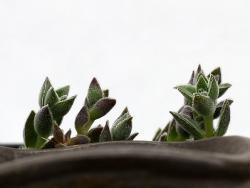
point(139, 49)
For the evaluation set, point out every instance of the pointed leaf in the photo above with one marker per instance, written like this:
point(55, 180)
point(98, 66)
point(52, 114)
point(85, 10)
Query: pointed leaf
point(201, 83)
point(105, 135)
point(29, 134)
point(58, 134)
point(63, 91)
point(94, 134)
point(82, 121)
point(123, 115)
point(217, 74)
point(213, 91)
point(45, 87)
point(172, 134)
point(63, 107)
point(187, 91)
point(157, 135)
point(223, 88)
point(203, 105)
point(219, 107)
point(132, 136)
point(94, 93)
point(191, 81)
point(188, 125)
point(43, 122)
point(224, 119)
point(121, 130)
point(68, 136)
point(51, 97)
point(101, 108)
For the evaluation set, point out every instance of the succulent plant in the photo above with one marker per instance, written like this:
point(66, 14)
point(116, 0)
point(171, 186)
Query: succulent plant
point(195, 118)
point(98, 104)
point(54, 105)
point(42, 129)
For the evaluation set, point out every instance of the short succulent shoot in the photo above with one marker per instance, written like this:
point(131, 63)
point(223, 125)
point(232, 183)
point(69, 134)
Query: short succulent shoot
point(42, 129)
point(195, 120)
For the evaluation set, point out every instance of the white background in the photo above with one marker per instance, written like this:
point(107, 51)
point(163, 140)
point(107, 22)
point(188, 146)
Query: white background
point(139, 49)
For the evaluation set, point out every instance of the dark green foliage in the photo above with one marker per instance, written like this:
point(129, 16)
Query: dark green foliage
point(42, 129)
point(195, 119)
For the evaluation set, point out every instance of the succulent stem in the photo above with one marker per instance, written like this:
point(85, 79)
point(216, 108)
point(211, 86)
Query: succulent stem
point(208, 121)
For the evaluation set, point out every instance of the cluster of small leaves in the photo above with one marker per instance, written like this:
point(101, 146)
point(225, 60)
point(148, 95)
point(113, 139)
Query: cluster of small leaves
point(97, 105)
point(42, 129)
point(195, 118)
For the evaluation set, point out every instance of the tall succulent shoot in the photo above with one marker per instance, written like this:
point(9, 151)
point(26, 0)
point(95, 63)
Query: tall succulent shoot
point(54, 105)
point(195, 119)
point(98, 104)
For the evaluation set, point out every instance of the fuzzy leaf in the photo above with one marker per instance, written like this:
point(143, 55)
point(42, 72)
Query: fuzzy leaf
point(191, 81)
point(63, 91)
point(188, 125)
point(213, 91)
point(63, 107)
point(217, 74)
point(45, 87)
point(187, 91)
point(105, 135)
point(122, 129)
point(94, 134)
point(29, 133)
point(78, 140)
point(51, 97)
point(94, 93)
point(82, 121)
point(219, 107)
point(224, 119)
point(203, 105)
point(132, 136)
point(172, 134)
point(43, 122)
point(201, 83)
point(58, 134)
point(101, 108)
point(223, 88)
point(68, 136)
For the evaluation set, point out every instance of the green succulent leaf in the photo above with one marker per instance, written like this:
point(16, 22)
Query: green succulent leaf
point(203, 105)
point(94, 93)
point(105, 135)
point(188, 125)
point(101, 108)
point(224, 119)
point(45, 87)
point(191, 80)
point(122, 129)
point(78, 140)
point(217, 74)
point(82, 121)
point(219, 107)
point(172, 133)
point(29, 134)
point(63, 91)
point(187, 91)
point(51, 97)
point(213, 91)
point(132, 136)
point(94, 134)
point(223, 88)
point(43, 122)
point(63, 107)
point(201, 83)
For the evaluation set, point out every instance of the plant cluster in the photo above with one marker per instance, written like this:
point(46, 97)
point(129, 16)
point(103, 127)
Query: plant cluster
point(195, 119)
point(42, 129)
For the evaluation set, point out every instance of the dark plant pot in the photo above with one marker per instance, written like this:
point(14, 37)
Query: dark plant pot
point(217, 162)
